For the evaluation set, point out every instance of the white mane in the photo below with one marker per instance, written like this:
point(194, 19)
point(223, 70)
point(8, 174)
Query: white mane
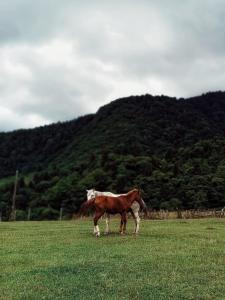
point(93, 193)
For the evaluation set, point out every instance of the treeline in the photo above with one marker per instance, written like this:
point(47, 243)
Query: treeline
point(172, 149)
point(188, 178)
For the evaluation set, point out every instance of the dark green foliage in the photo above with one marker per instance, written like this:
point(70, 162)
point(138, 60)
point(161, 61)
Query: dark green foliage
point(29, 150)
point(172, 149)
point(44, 213)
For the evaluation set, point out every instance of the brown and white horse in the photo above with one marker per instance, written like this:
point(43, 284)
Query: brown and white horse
point(134, 210)
point(113, 205)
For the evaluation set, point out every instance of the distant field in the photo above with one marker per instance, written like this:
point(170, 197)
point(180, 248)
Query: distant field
point(170, 259)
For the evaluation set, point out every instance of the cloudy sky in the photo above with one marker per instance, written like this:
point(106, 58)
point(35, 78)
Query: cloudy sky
point(64, 58)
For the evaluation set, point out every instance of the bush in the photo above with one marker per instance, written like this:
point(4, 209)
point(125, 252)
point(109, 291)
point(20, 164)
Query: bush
point(21, 215)
point(44, 213)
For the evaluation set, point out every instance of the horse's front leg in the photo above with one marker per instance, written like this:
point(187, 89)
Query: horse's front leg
point(123, 223)
point(107, 223)
point(96, 227)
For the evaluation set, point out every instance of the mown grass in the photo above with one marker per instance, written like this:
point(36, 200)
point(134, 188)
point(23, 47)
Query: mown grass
point(171, 259)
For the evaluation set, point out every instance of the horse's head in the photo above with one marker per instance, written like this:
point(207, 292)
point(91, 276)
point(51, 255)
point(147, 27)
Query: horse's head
point(138, 197)
point(90, 194)
point(135, 193)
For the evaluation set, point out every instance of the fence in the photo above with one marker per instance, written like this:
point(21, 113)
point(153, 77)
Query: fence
point(179, 214)
point(185, 214)
point(152, 214)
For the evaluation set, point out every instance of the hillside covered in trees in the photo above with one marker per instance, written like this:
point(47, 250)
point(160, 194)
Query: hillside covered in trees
point(173, 149)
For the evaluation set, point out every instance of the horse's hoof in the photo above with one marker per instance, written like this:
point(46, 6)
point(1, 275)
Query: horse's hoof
point(97, 235)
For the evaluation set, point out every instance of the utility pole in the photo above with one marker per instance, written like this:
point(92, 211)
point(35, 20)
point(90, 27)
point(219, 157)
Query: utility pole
point(13, 213)
point(29, 213)
point(60, 214)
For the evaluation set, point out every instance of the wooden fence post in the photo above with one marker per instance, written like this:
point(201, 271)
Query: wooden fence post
point(60, 214)
point(28, 214)
point(13, 213)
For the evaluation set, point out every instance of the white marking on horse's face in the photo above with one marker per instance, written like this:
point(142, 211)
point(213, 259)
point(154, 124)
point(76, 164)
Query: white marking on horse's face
point(90, 194)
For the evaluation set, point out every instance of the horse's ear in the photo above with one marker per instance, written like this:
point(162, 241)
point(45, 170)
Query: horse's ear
point(87, 191)
point(137, 189)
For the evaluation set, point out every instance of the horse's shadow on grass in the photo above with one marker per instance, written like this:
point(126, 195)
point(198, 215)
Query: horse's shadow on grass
point(115, 234)
point(118, 234)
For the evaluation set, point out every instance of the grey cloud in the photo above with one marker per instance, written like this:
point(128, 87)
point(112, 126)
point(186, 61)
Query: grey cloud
point(61, 59)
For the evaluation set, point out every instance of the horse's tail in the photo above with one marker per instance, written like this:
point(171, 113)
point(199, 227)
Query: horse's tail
point(144, 207)
point(142, 204)
point(86, 206)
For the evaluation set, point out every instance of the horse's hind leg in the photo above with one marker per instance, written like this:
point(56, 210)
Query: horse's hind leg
point(107, 223)
point(135, 208)
point(96, 227)
point(137, 221)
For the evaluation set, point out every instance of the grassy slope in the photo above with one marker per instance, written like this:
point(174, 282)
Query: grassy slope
point(62, 260)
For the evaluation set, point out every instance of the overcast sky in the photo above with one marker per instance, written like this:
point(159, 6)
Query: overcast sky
point(63, 58)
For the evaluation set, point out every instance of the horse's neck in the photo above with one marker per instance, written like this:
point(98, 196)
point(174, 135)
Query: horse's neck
point(132, 198)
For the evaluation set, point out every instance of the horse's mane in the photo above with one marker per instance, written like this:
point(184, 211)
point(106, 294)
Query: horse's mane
point(134, 190)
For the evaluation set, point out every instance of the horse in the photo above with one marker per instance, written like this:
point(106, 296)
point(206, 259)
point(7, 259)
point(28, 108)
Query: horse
point(134, 210)
point(113, 205)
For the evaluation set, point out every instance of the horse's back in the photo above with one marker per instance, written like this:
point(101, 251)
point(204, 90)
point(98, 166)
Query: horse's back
point(110, 204)
point(111, 194)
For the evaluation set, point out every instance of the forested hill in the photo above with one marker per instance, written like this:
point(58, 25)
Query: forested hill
point(134, 125)
point(33, 149)
point(172, 148)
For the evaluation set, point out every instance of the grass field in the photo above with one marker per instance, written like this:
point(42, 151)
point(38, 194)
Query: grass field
point(171, 259)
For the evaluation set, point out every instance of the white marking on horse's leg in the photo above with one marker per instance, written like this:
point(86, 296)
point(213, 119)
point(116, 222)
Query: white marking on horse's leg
point(137, 222)
point(135, 225)
point(135, 209)
point(97, 231)
point(107, 223)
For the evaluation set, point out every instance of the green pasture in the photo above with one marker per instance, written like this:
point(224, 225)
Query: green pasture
point(170, 259)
